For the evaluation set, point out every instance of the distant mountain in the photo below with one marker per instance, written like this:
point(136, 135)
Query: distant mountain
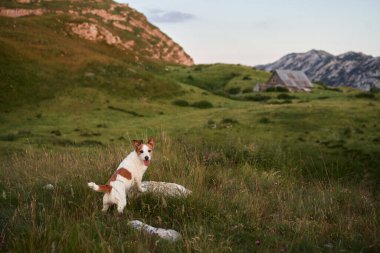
point(349, 69)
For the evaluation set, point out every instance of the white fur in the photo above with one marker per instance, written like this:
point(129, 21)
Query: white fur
point(134, 163)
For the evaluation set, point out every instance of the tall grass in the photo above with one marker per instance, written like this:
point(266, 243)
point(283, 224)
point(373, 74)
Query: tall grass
point(242, 201)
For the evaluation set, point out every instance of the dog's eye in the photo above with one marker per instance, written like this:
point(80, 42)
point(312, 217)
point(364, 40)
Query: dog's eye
point(149, 151)
point(141, 151)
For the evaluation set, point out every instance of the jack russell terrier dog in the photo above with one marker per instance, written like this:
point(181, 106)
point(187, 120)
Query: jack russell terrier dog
point(129, 173)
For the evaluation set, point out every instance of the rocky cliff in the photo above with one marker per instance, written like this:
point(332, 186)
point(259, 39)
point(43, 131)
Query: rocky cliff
point(349, 69)
point(105, 21)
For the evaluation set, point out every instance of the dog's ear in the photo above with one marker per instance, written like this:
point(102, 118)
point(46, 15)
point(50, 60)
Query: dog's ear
point(151, 141)
point(137, 143)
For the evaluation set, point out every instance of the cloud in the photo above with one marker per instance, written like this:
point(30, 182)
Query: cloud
point(162, 16)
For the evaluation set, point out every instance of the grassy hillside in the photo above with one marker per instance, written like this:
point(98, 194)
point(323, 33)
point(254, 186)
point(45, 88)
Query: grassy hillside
point(296, 176)
point(222, 79)
point(41, 58)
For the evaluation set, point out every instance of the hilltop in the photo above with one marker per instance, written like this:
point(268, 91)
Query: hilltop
point(53, 46)
point(349, 69)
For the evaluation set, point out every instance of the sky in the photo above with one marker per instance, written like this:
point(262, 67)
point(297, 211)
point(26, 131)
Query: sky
point(252, 32)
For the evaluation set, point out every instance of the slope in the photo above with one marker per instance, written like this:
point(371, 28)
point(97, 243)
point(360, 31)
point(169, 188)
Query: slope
point(43, 55)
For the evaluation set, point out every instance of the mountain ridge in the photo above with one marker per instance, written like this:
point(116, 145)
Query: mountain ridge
point(353, 69)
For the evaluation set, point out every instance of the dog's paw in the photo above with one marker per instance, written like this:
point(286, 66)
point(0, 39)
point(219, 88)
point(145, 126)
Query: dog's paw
point(91, 185)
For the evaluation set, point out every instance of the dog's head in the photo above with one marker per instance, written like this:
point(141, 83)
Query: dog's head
point(144, 150)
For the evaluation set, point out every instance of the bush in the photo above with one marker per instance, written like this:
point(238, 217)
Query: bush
point(257, 98)
point(181, 102)
point(203, 104)
point(9, 137)
point(229, 121)
point(234, 90)
point(247, 78)
point(365, 95)
point(286, 96)
point(248, 90)
point(264, 120)
point(277, 89)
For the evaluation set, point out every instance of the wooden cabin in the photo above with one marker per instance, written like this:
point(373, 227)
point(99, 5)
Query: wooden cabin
point(294, 81)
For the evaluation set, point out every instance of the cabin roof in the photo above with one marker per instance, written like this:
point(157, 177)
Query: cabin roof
point(294, 78)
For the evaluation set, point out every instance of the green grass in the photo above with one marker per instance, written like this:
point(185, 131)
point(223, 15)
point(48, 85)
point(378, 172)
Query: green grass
point(222, 79)
point(270, 171)
point(238, 198)
point(302, 181)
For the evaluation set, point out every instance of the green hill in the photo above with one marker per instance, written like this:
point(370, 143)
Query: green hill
point(223, 79)
point(42, 56)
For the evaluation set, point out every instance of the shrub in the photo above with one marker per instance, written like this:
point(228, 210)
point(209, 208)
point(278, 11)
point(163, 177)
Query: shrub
point(181, 102)
point(286, 96)
point(229, 121)
point(246, 78)
point(133, 113)
point(277, 89)
point(203, 104)
point(211, 122)
point(56, 132)
point(367, 95)
point(347, 132)
point(9, 137)
point(247, 90)
point(234, 90)
point(257, 98)
point(264, 120)
point(235, 74)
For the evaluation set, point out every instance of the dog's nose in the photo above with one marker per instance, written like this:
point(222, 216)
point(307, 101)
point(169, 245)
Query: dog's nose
point(146, 158)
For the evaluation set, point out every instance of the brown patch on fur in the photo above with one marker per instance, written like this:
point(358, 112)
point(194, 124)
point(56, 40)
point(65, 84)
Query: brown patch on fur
point(138, 144)
point(151, 142)
point(105, 188)
point(122, 172)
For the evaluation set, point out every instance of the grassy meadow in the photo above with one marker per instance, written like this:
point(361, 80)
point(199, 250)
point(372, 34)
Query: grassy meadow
point(269, 171)
point(297, 174)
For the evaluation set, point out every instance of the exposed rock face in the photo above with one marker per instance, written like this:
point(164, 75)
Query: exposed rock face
point(349, 69)
point(95, 33)
point(15, 13)
point(115, 24)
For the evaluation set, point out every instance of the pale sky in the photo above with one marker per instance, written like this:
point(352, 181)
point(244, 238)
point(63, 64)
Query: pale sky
point(252, 32)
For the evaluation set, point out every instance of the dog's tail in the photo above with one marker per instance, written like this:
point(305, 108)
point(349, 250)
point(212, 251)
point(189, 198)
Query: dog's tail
point(100, 188)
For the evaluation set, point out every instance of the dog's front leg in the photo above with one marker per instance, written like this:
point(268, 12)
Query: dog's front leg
point(138, 184)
